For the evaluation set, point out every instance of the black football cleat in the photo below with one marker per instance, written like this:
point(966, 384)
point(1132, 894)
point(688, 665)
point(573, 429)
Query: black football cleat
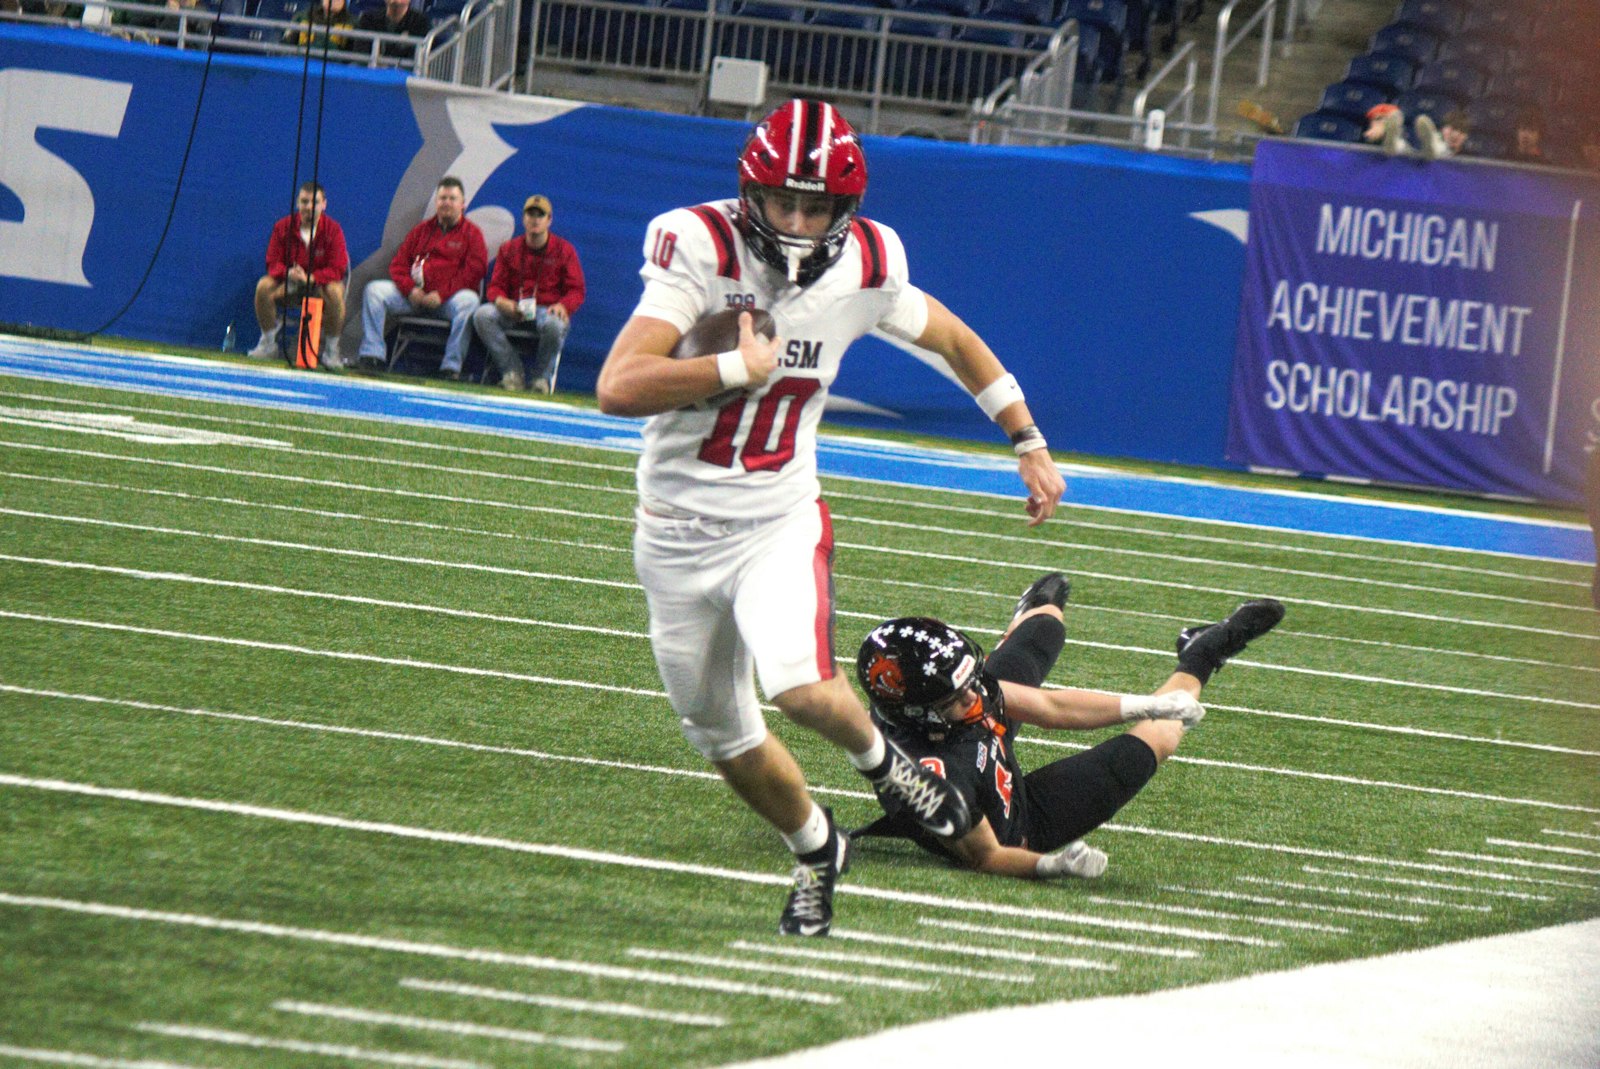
point(809, 910)
point(904, 786)
point(1204, 649)
point(1052, 588)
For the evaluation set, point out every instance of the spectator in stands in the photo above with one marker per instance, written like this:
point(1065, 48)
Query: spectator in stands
point(1528, 145)
point(1454, 133)
point(305, 254)
point(1386, 127)
point(323, 18)
point(399, 17)
point(437, 272)
point(537, 278)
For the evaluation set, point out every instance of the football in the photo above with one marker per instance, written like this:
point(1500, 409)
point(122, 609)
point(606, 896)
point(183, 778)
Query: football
point(719, 332)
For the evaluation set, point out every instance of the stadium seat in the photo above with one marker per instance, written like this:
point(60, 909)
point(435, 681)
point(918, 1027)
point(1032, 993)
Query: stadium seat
point(1034, 12)
point(1487, 146)
point(1352, 99)
point(1329, 126)
point(918, 64)
point(844, 60)
point(961, 9)
point(976, 73)
point(1496, 114)
point(773, 44)
point(1390, 71)
point(1408, 40)
point(1110, 19)
point(1441, 17)
point(1475, 50)
point(1434, 105)
point(1459, 80)
point(1510, 23)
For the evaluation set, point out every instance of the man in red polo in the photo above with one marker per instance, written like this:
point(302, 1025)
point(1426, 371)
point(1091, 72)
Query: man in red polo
point(305, 252)
point(436, 272)
point(538, 280)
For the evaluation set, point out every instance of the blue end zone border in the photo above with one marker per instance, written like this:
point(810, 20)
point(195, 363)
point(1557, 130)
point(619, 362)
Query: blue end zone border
point(838, 456)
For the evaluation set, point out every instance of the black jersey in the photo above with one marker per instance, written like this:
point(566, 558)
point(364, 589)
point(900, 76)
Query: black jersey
point(980, 761)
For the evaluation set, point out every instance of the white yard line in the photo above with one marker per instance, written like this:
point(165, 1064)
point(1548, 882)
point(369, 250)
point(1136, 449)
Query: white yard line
point(1353, 892)
point(86, 1061)
point(1034, 935)
point(326, 1050)
point(1221, 915)
point(356, 1015)
point(1501, 860)
point(832, 976)
point(628, 519)
point(481, 955)
point(557, 1002)
point(1403, 881)
point(1519, 844)
point(545, 457)
point(1570, 834)
point(991, 953)
point(1316, 907)
point(790, 950)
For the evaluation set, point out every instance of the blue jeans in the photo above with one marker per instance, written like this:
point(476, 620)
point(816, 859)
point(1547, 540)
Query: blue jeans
point(491, 324)
point(382, 298)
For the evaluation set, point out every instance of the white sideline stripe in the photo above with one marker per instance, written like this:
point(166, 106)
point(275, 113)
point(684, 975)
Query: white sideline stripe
point(304, 480)
point(1329, 777)
point(1113, 577)
point(1262, 900)
point(1024, 956)
point(598, 857)
point(88, 1061)
point(556, 1002)
point(831, 976)
point(1057, 937)
point(336, 551)
point(604, 517)
point(331, 514)
point(328, 1050)
point(1543, 846)
point(1217, 914)
point(624, 469)
point(137, 573)
point(988, 513)
point(845, 576)
point(403, 946)
point(1208, 562)
point(395, 736)
point(1335, 855)
point(1403, 881)
point(1570, 834)
point(1498, 859)
point(845, 957)
point(1415, 900)
point(319, 595)
point(340, 655)
point(455, 1028)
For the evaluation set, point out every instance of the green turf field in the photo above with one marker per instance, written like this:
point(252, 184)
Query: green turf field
point(339, 742)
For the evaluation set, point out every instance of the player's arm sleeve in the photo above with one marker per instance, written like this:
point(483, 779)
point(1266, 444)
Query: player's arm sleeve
point(907, 314)
point(679, 260)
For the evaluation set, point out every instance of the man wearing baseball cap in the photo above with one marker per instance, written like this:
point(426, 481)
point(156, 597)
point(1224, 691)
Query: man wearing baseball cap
point(537, 281)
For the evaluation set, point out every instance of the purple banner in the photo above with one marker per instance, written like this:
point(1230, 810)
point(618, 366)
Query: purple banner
point(1416, 322)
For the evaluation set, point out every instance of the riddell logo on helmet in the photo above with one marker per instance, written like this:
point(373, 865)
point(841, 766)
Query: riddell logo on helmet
point(806, 185)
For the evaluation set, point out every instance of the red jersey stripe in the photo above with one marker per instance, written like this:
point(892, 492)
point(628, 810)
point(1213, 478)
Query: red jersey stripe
point(722, 238)
point(822, 572)
point(874, 257)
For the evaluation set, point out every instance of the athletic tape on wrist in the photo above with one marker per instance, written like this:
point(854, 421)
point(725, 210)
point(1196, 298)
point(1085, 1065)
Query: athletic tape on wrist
point(999, 395)
point(1027, 440)
point(731, 369)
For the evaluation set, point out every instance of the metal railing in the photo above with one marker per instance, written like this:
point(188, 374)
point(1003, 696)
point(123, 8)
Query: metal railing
point(1225, 46)
point(1153, 127)
point(475, 48)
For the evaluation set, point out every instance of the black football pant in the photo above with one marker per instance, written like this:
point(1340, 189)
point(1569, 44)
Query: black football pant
point(1071, 797)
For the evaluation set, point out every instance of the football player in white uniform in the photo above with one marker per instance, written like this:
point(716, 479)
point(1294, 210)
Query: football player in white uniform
point(733, 545)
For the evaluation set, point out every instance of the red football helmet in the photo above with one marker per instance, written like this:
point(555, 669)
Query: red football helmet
point(806, 150)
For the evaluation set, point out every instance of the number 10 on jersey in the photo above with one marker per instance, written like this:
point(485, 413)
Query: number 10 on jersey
point(760, 452)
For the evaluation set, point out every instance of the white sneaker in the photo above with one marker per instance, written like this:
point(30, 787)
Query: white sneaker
point(1394, 134)
point(267, 347)
point(512, 380)
point(1432, 141)
point(330, 354)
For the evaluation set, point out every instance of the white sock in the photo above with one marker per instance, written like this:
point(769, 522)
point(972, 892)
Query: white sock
point(873, 755)
point(267, 338)
point(813, 834)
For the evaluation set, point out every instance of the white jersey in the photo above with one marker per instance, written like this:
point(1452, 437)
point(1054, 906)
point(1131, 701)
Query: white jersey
point(756, 456)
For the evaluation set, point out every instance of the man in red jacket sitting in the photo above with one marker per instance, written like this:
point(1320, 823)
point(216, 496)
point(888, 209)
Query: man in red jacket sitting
point(306, 249)
point(538, 280)
point(436, 272)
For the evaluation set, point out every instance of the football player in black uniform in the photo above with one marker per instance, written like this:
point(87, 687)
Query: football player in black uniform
point(958, 713)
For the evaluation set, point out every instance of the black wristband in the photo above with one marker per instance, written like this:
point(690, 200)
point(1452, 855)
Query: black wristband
point(1022, 433)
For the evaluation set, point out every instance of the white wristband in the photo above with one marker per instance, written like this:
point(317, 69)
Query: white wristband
point(731, 369)
point(999, 395)
point(1136, 706)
